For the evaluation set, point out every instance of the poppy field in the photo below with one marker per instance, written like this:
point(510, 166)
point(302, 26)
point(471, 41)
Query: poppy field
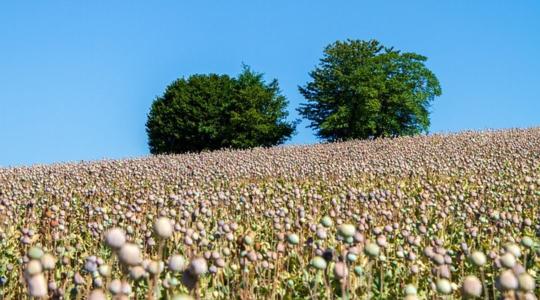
point(428, 217)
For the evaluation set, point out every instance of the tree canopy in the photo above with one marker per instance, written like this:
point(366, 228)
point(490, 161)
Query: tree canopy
point(362, 89)
point(208, 112)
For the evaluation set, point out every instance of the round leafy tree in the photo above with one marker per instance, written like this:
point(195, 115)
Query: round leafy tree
point(208, 112)
point(362, 89)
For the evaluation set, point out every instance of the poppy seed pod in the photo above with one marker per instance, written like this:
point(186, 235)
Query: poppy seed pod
point(176, 263)
point(507, 280)
point(372, 250)
point(137, 272)
point(198, 266)
point(115, 238)
point(321, 233)
point(115, 287)
point(472, 287)
point(318, 263)
point(78, 279)
point(478, 258)
point(526, 282)
point(34, 267)
point(410, 289)
point(125, 288)
point(340, 270)
point(37, 286)
point(35, 253)
point(154, 267)
point(163, 228)
point(48, 261)
point(220, 263)
point(248, 239)
point(293, 238)
point(326, 221)
point(508, 260)
point(514, 249)
point(130, 254)
point(346, 230)
point(444, 286)
point(527, 242)
point(359, 271)
point(104, 270)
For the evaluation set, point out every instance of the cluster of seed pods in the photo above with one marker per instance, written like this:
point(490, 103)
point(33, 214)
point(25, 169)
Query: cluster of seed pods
point(427, 217)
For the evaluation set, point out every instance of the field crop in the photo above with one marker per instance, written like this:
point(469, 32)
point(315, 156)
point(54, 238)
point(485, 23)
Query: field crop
point(437, 217)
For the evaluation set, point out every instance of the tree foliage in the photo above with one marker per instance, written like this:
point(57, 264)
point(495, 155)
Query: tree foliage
point(208, 112)
point(361, 89)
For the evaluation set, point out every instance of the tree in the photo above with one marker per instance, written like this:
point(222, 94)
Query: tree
point(361, 89)
point(208, 112)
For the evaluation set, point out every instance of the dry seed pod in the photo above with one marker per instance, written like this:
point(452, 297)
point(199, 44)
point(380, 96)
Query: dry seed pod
point(472, 287)
point(340, 270)
point(37, 286)
point(526, 282)
point(130, 254)
point(115, 238)
point(163, 228)
point(176, 263)
point(507, 280)
point(34, 267)
point(198, 266)
point(478, 258)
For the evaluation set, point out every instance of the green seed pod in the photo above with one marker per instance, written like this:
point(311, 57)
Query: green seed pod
point(410, 289)
point(318, 263)
point(346, 230)
point(478, 258)
point(372, 250)
point(514, 249)
point(35, 253)
point(174, 281)
point(527, 242)
point(326, 221)
point(248, 240)
point(293, 239)
point(359, 271)
point(444, 286)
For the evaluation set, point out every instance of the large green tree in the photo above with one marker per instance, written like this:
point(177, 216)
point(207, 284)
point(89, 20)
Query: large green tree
point(361, 89)
point(208, 112)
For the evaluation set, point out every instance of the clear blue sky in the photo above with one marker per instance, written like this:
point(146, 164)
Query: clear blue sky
point(77, 77)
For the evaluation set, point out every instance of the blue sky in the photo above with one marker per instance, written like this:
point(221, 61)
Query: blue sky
point(77, 78)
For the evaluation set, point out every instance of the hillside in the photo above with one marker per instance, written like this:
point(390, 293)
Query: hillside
point(367, 218)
